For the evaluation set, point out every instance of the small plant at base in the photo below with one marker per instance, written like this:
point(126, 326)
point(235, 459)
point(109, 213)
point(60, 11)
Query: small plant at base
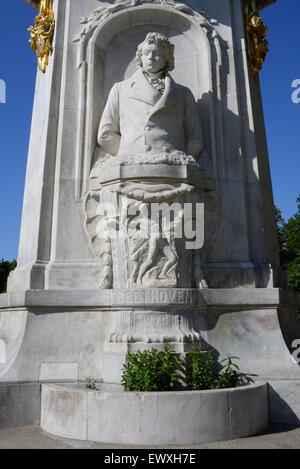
point(200, 370)
point(151, 370)
point(90, 384)
point(229, 376)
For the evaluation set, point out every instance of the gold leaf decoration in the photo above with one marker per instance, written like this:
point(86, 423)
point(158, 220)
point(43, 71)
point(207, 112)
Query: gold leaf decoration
point(258, 46)
point(41, 34)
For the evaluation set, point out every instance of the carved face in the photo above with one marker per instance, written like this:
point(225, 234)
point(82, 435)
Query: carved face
point(153, 58)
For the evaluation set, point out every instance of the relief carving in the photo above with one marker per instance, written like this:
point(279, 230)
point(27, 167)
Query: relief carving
point(149, 124)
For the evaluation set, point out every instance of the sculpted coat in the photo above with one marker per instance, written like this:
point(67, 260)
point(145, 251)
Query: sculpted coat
point(138, 120)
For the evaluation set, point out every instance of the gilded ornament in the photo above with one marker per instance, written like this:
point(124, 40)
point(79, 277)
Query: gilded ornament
point(258, 46)
point(42, 33)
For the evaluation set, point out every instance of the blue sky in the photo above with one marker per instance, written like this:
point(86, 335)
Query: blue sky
point(18, 69)
point(282, 116)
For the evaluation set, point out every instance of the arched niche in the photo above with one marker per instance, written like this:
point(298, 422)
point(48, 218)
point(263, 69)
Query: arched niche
point(107, 55)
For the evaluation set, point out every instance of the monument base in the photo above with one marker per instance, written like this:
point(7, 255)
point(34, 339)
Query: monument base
point(156, 418)
point(63, 336)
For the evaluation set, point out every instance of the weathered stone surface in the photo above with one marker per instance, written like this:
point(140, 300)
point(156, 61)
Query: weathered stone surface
point(59, 372)
point(142, 297)
point(249, 411)
point(58, 346)
point(284, 401)
point(186, 417)
point(77, 327)
point(20, 405)
point(64, 412)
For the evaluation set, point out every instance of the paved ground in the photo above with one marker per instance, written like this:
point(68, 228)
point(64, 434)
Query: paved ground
point(35, 438)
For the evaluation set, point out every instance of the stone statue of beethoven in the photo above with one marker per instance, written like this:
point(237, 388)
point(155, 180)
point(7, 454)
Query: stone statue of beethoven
point(148, 118)
point(150, 114)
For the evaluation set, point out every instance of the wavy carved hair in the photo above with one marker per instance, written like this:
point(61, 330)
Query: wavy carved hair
point(160, 41)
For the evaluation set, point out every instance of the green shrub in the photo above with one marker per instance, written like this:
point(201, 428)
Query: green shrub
point(230, 374)
point(202, 374)
point(159, 370)
point(151, 370)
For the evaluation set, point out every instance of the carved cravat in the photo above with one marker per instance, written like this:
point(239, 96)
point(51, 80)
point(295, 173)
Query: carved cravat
point(157, 82)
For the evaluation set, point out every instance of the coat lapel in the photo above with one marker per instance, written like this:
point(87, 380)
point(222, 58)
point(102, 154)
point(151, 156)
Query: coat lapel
point(142, 90)
point(169, 96)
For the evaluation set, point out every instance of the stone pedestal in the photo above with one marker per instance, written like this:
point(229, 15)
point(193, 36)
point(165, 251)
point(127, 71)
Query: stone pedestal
point(71, 331)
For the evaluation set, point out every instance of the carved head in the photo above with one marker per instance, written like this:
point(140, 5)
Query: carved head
point(155, 54)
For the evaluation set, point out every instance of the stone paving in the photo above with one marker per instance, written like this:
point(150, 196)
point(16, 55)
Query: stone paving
point(35, 438)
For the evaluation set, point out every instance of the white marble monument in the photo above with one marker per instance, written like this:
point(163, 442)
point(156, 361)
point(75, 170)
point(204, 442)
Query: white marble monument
point(145, 104)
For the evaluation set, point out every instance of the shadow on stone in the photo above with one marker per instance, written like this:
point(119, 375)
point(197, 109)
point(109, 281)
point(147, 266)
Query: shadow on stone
point(281, 415)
